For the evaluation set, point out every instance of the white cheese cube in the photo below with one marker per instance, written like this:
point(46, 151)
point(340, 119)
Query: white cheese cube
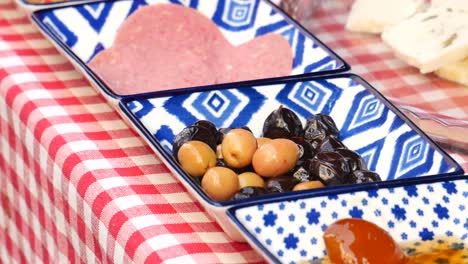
point(456, 72)
point(373, 16)
point(431, 39)
point(461, 5)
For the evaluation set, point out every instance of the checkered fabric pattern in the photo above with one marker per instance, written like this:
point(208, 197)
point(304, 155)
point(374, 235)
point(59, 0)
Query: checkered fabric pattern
point(78, 185)
point(427, 96)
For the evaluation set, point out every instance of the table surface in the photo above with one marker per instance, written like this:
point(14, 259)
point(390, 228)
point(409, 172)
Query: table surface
point(78, 185)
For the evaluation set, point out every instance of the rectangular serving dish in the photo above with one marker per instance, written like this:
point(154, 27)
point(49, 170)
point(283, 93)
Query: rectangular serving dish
point(370, 125)
point(83, 30)
point(390, 143)
point(290, 230)
point(31, 6)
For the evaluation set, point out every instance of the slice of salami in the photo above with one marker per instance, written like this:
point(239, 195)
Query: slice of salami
point(263, 57)
point(167, 46)
point(129, 70)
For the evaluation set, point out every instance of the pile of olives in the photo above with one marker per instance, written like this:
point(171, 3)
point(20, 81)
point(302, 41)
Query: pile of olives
point(233, 164)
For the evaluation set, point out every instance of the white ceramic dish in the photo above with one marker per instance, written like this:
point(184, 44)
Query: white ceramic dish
point(30, 6)
point(81, 31)
point(389, 143)
point(288, 230)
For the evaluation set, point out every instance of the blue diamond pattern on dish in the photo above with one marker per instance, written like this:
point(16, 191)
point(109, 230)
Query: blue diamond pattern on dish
point(217, 106)
point(256, 102)
point(166, 132)
point(367, 112)
point(141, 108)
point(99, 47)
point(371, 153)
point(236, 14)
point(405, 222)
point(96, 14)
point(53, 23)
point(297, 41)
point(189, 3)
point(412, 152)
point(310, 97)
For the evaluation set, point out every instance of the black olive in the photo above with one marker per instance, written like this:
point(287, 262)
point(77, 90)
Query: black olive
point(221, 163)
point(281, 184)
point(282, 123)
point(330, 168)
point(331, 143)
point(249, 192)
point(306, 151)
point(248, 168)
point(194, 133)
point(301, 173)
point(355, 161)
point(318, 127)
point(362, 176)
point(206, 124)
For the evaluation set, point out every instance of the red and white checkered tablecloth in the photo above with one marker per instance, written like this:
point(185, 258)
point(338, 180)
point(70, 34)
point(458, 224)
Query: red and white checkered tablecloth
point(78, 185)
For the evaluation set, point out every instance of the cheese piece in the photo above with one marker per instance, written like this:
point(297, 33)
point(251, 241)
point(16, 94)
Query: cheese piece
point(460, 5)
point(373, 16)
point(437, 3)
point(431, 39)
point(456, 72)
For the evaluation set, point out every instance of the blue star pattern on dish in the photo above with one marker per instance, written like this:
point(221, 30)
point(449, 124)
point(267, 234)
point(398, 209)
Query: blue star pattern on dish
point(412, 221)
point(291, 241)
point(399, 212)
point(269, 219)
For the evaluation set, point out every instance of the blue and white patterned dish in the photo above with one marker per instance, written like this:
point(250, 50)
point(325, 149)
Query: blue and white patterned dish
point(81, 31)
point(288, 231)
point(368, 124)
point(31, 6)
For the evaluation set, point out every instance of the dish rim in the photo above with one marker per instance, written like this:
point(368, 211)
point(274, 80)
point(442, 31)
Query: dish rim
point(35, 16)
point(251, 239)
point(33, 7)
point(170, 162)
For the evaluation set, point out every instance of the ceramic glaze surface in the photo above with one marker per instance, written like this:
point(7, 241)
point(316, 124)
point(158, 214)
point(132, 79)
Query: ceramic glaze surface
point(292, 230)
point(89, 28)
point(387, 144)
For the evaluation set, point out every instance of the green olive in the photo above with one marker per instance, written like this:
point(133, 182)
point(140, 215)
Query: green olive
point(308, 185)
point(219, 153)
point(238, 147)
point(250, 179)
point(262, 140)
point(220, 183)
point(275, 157)
point(196, 157)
